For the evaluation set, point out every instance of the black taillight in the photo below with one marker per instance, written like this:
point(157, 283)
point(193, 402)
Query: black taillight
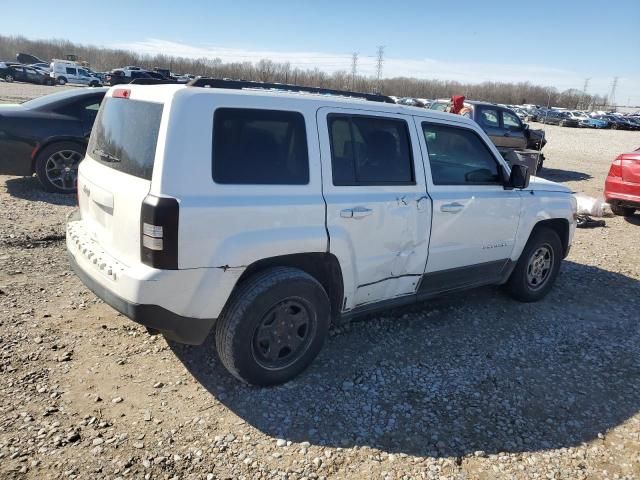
point(159, 232)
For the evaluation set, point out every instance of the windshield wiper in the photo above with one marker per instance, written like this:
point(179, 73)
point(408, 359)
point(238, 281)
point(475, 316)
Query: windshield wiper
point(106, 156)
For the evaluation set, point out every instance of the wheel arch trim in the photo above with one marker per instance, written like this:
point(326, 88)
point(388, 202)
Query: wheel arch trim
point(322, 266)
point(40, 146)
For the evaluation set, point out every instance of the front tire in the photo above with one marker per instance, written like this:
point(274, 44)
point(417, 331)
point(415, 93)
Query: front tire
point(622, 211)
point(57, 166)
point(273, 326)
point(537, 267)
point(8, 78)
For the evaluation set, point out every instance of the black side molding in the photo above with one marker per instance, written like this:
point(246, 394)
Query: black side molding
point(439, 283)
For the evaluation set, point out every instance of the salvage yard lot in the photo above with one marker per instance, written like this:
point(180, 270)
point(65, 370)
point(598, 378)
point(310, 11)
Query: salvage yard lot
point(473, 385)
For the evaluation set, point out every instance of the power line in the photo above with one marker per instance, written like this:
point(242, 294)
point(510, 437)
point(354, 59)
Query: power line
point(379, 66)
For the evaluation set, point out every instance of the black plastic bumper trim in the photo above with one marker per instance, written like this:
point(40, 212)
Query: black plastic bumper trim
point(192, 331)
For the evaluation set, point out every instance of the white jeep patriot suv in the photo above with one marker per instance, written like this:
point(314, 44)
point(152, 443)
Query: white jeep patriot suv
point(269, 211)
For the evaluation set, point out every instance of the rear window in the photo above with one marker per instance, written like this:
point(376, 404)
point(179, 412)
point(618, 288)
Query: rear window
point(125, 135)
point(259, 147)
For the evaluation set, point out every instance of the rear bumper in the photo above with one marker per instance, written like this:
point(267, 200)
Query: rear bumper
point(617, 191)
point(182, 304)
point(192, 331)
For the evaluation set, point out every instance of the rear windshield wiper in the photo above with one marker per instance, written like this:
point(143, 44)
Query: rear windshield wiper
point(107, 157)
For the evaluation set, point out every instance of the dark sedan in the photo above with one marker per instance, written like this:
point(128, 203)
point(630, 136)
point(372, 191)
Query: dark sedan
point(48, 136)
point(619, 123)
point(119, 77)
point(568, 120)
point(556, 117)
point(23, 73)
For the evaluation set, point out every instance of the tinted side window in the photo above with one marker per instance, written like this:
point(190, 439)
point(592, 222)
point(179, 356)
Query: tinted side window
point(71, 71)
point(259, 147)
point(511, 122)
point(90, 112)
point(489, 118)
point(370, 151)
point(458, 156)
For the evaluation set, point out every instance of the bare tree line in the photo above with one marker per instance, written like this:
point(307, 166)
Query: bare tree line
point(103, 59)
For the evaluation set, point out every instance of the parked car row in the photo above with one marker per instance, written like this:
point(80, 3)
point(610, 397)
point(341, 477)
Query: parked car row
point(62, 72)
point(59, 72)
point(576, 118)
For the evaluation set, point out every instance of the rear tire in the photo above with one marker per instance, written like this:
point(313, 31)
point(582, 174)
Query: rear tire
point(622, 211)
point(273, 326)
point(57, 166)
point(537, 267)
point(62, 81)
point(8, 78)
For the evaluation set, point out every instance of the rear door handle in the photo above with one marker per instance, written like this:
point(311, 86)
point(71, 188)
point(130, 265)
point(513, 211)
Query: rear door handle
point(356, 212)
point(454, 207)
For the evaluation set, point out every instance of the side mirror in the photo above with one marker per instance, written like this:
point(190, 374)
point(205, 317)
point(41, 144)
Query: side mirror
point(519, 177)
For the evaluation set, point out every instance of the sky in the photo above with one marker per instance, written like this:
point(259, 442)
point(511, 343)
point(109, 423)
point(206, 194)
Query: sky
point(558, 43)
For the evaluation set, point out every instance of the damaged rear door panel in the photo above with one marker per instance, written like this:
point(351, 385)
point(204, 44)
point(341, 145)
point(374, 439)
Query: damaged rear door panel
point(378, 210)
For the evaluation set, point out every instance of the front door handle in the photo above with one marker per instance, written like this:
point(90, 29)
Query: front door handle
point(454, 207)
point(356, 212)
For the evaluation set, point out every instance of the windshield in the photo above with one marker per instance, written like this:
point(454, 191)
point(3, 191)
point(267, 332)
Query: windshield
point(125, 135)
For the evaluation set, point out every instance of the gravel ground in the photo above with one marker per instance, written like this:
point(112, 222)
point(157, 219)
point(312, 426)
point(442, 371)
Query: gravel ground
point(17, 92)
point(470, 386)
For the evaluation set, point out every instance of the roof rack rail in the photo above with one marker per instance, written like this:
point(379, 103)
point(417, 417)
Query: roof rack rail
point(150, 81)
point(242, 84)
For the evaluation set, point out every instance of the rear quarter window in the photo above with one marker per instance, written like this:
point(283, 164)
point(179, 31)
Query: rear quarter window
point(259, 147)
point(125, 135)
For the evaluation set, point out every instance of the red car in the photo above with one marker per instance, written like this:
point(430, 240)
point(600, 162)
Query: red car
point(622, 187)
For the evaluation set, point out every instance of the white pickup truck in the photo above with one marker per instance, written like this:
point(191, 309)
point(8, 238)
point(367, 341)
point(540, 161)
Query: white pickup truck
point(267, 212)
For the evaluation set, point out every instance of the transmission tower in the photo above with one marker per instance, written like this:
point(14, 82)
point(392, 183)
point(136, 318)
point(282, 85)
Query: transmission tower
point(354, 70)
point(612, 95)
point(379, 67)
point(584, 92)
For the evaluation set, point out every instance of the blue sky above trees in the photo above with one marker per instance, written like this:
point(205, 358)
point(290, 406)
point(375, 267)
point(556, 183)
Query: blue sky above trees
point(545, 42)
